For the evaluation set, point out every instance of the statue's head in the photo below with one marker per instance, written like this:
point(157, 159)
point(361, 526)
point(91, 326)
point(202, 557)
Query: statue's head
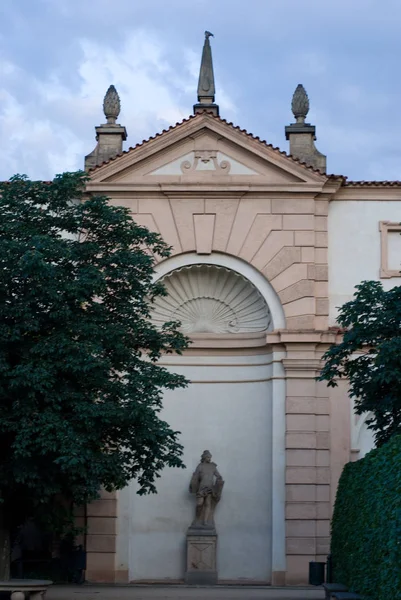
point(206, 456)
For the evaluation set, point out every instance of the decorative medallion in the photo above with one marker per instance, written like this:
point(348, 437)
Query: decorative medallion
point(206, 160)
point(210, 299)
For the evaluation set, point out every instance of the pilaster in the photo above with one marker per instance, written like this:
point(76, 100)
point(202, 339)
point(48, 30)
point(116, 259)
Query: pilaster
point(101, 538)
point(307, 459)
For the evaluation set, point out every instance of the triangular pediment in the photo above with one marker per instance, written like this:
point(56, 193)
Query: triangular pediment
point(205, 149)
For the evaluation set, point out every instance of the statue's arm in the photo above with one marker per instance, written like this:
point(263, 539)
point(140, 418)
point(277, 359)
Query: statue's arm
point(194, 484)
point(217, 475)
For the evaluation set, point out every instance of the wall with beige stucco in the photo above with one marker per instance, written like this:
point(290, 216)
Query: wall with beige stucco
point(221, 197)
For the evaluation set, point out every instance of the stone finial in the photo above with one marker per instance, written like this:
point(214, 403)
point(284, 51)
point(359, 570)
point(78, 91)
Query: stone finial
point(109, 136)
point(206, 85)
point(300, 103)
point(111, 105)
point(302, 135)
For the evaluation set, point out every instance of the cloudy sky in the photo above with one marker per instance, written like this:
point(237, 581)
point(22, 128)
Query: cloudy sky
point(59, 56)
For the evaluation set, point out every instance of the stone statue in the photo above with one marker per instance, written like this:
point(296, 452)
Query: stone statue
point(207, 484)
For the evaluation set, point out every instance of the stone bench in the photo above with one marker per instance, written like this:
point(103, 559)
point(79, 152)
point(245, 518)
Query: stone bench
point(329, 588)
point(35, 589)
point(345, 596)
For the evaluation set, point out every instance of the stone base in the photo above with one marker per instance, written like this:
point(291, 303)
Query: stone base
point(201, 557)
point(201, 577)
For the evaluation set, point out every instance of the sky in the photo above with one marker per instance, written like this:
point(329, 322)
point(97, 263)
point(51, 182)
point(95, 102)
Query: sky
point(58, 57)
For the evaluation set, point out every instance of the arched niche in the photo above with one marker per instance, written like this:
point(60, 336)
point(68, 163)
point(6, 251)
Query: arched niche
point(258, 288)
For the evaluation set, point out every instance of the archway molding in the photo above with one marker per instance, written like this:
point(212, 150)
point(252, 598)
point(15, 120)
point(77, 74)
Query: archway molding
point(232, 263)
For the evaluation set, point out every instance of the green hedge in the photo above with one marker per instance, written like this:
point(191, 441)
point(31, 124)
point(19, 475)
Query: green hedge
point(366, 526)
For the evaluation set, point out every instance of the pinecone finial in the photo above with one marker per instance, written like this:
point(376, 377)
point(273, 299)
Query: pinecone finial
point(300, 104)
point(111, 105)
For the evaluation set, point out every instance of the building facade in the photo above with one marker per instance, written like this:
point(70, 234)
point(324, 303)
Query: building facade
point(266, 246)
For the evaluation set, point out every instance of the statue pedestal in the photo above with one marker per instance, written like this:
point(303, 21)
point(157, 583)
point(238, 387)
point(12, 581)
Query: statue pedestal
point(201, 557)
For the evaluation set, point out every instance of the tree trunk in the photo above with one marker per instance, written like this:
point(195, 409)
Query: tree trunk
point(5, 551)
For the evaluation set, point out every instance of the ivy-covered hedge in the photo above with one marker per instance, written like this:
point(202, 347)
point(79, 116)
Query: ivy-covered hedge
point(366, 526)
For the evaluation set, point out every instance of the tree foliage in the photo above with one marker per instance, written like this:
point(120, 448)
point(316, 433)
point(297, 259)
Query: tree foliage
point(366, 525)
point(370, 356)
point(80, 384)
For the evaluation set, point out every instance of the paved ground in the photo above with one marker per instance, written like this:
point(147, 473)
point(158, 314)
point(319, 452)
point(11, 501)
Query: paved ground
point(137, 592)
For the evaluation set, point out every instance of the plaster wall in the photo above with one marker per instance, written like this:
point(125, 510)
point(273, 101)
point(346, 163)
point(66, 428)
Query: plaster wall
point(355, 247)
point(228, 409)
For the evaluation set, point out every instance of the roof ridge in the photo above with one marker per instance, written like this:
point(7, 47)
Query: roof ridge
point(230, 124)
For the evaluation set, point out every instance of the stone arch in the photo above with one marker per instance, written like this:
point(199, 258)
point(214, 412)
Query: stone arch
point(231, 263)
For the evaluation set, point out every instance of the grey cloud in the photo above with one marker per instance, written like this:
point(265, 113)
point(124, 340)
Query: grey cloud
point(344, 53)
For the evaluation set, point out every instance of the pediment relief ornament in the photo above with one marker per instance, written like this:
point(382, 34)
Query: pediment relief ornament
point(206, 160)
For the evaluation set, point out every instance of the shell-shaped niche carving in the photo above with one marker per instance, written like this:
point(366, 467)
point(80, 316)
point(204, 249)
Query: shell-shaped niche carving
point(210, 299)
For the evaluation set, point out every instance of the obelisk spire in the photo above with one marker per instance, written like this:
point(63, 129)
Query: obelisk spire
point(206, 87)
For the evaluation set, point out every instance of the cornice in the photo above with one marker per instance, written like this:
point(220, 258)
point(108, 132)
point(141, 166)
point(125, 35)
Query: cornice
point(186, 187)
point(371, 193)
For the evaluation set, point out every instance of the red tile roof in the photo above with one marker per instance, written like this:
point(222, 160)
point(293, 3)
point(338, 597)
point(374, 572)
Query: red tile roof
point(230, 124)
point(373, 183)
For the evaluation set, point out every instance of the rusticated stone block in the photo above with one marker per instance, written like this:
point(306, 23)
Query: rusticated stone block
point(323, 475)
point(301, 405)
point(303, 306)
point(301, 475)
point(301, 458)
point(302, 288)
point(323, 458)
point(322, 422)
point(321, 257)
point(321, 223)
point(322, 208)
point(321, 239)
point(300, 528)
point(289, 277)
point(293, 206)
point(100, 567)
point(301, 440)
point(321, 273)
point(301, 423)
point(299, 323)
point(300, 510)
point(298, 568)
point(323, 510)
point(323, 440)
point(323, 493)
point(322, 306)
point(102, 525)
point(300, 493)
point(307, 255)
point(301, 545)
point(323, 545)
point(284, 259)
point(102, 508)
point(323, 528)
point(302, 222)
point(101, 543)
point(304, 238)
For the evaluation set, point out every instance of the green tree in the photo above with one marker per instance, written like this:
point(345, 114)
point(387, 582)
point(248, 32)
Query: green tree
point(369, 356)
point(80, 384)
